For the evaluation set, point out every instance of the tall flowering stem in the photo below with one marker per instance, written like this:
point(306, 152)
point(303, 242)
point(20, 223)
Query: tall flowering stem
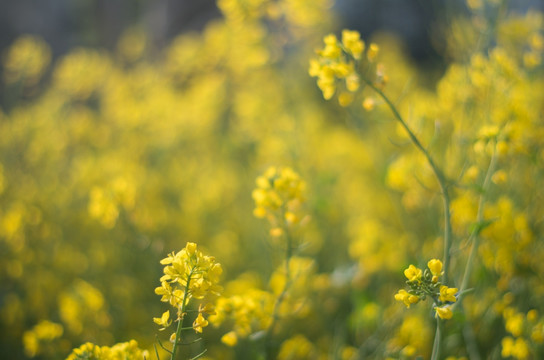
point(338, 69)
point(278, 198)
point(439, 175)
point(188, 275)
point(423, 284)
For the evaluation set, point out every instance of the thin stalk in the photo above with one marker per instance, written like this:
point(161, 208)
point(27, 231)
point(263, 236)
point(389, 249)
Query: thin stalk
point(199, 355)
point(445, 197)
point(474, 236)
point(275, 315)
point(180, 327)
point(437, 340)
point(436, 170)
point(288, 255)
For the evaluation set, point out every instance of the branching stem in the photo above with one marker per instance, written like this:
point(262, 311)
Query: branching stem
point(440, 177)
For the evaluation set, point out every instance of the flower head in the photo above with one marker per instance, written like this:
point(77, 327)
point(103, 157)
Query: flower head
point(331, 50)
point(407, 298)
point(188, 274)
point(353, 43)
point(279, 189)
point(199, 323)
point(164, 320)
point(372, 52)
point(444, 312)
point(413, 273)
point(447, 294)
point(435, 266)
point(230, 339)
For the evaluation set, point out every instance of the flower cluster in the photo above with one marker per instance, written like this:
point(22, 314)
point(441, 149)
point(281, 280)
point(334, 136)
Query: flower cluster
point(526, 331)
point(188, 274)
point(278, 197)
point(423, 284)
point(337, 66)
point(297, 347)
point(172, 135)
point(126, 350)
point(41, 334)
point(249, 312)
point(26, 60)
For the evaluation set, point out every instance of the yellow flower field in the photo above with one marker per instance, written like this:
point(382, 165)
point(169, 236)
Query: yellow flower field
point(276, 187)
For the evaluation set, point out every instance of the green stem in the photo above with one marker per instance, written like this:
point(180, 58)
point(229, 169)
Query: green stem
point(445, 197)
point(288, 255)
point(437, 340)
point(180, 327)
point(199, 355)
point(474, 236)
point(436, 170)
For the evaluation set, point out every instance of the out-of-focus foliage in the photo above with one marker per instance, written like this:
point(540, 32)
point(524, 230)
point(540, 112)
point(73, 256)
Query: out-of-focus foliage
point(110, 161)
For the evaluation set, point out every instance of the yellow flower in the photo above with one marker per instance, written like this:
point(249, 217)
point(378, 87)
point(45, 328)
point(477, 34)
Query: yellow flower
point(408, 350)
point(291, 217)
point(412, 273)
point(41, 334)
point(190, 248)
point(514, 322)
point(369, 103)
point(259, 212)
point(353, 43)
point(499, 177)
point(435, 266)
point(199, 323)
point(126, 350)
point(447, 294)
point(87, 350)
point(515, 348)
point(344, 99)
point(472, 173)
point(537, 41)
point(280, 188)
point(444, 312)
point(327, 89)
point(474, 4)
point(230, 339)
point(26, 60)
point(276, 232)
point(191, 272)
point(342, 69)
point(164, 320)
point(532, 315)
point(296, 348)
point(331, 50)
point(372, 52)
point(352, 82)
point(407, 298)
point(315, 68)
point(207, 309)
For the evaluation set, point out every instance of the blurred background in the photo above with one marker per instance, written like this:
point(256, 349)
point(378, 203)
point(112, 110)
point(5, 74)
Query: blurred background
point(136, 126)
point(65, 24)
